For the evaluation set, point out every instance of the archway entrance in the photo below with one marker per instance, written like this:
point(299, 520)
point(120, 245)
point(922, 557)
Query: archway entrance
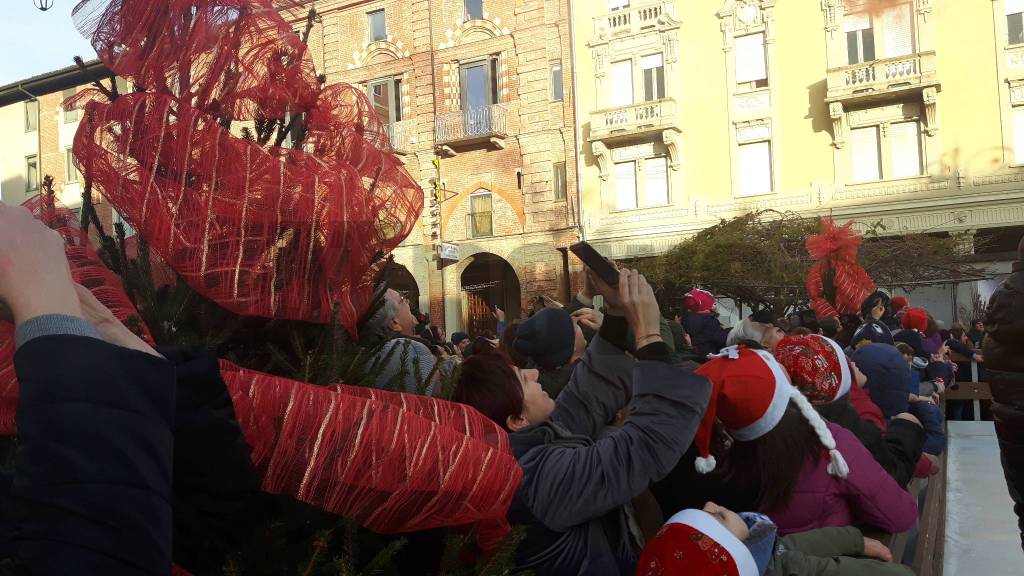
point(399, 279)
point(487, 282)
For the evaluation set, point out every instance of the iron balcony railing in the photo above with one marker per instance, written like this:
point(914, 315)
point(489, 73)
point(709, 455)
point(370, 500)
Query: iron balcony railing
point(471, 124)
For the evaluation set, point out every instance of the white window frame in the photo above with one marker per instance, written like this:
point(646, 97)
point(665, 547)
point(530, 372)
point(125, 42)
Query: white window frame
point(71, 173)
point(647, 164)
point(745, 190)
point(631, 92)
point(619, 192)
point(757, 75)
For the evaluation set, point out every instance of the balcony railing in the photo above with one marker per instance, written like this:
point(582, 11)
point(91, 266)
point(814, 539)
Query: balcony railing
point(480, 224)
point(401, 134)
point(631, 20)
point(881, 76)
point(471, 125)
point(632, 119)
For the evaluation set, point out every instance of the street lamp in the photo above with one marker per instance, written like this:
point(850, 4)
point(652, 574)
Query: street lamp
point(43, 5)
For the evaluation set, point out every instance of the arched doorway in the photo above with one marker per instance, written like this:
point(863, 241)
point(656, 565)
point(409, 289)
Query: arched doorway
point(487, 282)
point(400, 280)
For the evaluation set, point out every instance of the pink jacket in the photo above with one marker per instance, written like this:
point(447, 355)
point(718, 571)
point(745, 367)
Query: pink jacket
point(868, 496)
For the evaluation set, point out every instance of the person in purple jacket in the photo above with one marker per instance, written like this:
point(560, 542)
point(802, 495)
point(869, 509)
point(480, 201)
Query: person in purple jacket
point(802, 472)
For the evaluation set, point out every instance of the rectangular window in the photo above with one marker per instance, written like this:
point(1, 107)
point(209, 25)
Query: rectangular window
point(755, 163)
point(751, 64)
point(860, 38)
point(70, 115)
point(866, 162)
point(1018, 135)
point(558, 180)
point(899, 30)
point(474, 9)
point(479, 83)
point(618, 4)
point(656, 181)
point(556, 81)
point(1014, 21)
point(622, 83)
point(481, 220)
point(654, 77)
point(377, 26)
point(71, 173)
point(386, 98)
point(31, 173)
point(625, 185)
point(31, 115)
point(905, 144)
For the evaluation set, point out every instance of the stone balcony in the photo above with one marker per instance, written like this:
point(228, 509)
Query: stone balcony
point(472, 126)
point(633, 20)
point(654, 120)
point(882, 79)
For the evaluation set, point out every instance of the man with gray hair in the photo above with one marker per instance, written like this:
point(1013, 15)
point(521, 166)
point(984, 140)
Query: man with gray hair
point(750, 330)
point(406, 362)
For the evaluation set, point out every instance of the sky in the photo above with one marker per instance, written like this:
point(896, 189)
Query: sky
point(34, 42)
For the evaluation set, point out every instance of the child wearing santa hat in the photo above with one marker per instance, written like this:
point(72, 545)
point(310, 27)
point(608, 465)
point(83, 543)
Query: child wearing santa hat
point(716, 541)
point(803, 472)
point(819, 368)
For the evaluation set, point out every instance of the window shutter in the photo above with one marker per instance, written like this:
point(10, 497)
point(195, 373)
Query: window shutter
point(755, 168)
point(864, 149)
point(655, 182)
point(899, 31)
point(625, 185)
point(750, 58)
point(622, 83)
point(654, 77)
point(905, 143)
point(1013, 6)
point(855, 22)
point(1018, 135)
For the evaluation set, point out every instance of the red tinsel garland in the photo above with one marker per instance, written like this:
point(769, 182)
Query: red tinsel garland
point(835, 250)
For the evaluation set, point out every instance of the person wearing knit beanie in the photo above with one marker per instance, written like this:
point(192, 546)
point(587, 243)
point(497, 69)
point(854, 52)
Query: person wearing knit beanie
point(699, 301)
point(749, 395)
point(915, 319)
point(716, 541)
point(899, 303)
point(547, 337)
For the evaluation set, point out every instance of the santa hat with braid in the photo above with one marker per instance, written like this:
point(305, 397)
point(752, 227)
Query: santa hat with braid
point(750, 393)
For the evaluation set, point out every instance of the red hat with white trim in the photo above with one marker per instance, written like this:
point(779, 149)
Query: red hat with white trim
point(749, 395)
point(817, 366)
point(692, 542)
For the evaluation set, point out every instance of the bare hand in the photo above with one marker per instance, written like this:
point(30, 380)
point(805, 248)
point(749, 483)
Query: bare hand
point(109, 327)
point(908, 417)
point(35, 278)
point(610, 293)
point(640, 307)
point(875, 549)
point(498, 314)
point(589, 317)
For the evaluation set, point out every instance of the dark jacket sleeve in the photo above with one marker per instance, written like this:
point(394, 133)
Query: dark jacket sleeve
point(214, 480)
point(564, 486)
point(930, 416)
point(897, 450)
point(598, 388)
point(92, 486)
point(960, 348)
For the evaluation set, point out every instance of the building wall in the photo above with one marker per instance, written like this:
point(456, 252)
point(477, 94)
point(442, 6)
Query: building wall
point(426, 42)
point(970, 178)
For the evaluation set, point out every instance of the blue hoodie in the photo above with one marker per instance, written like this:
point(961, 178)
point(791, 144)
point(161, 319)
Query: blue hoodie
point(889, 381)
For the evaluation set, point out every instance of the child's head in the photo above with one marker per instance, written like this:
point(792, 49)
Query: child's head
point(712, 542)
point(907, 351)
point(729, 519)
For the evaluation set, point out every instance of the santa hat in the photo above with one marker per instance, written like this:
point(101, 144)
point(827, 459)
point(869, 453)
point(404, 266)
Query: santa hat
point(817, 366)
point(699, 301)
point(915, 319)
point(749, 395)
point(693, 542)
point(899, 303)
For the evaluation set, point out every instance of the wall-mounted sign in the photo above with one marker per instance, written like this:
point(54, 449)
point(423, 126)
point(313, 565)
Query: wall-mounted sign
point(449, 251)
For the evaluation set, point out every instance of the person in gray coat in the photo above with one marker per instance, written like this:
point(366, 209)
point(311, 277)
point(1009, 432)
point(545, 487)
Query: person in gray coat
point(579, 474)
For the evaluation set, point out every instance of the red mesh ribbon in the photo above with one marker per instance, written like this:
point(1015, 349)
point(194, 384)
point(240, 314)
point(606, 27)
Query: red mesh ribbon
point(261, 230)
point(394, 462)
point(835, 250)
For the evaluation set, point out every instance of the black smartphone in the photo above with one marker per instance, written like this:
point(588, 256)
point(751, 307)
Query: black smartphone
point(592, 259)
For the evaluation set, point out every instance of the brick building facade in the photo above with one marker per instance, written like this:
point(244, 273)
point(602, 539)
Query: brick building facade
point(477, 97)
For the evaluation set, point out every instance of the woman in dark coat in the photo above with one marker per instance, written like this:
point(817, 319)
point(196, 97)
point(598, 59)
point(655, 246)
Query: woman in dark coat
point(578, 474)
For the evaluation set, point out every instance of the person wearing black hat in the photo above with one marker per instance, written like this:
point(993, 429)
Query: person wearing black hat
point(553, 341)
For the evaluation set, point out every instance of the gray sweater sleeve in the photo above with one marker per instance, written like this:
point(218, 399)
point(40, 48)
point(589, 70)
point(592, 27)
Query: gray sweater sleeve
point(52, 325)
point(565, 486)
point(598, 388)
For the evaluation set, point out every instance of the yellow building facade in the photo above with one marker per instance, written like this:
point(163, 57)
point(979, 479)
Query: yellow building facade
point(905, 112)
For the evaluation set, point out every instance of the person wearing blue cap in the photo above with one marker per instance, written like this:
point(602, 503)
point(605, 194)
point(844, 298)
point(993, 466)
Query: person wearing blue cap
point(553, 342)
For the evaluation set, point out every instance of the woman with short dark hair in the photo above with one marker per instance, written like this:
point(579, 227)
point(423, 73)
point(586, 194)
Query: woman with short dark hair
point(579, 474)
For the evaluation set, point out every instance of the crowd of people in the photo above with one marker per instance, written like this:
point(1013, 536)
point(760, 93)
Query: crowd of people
point(649, 443)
